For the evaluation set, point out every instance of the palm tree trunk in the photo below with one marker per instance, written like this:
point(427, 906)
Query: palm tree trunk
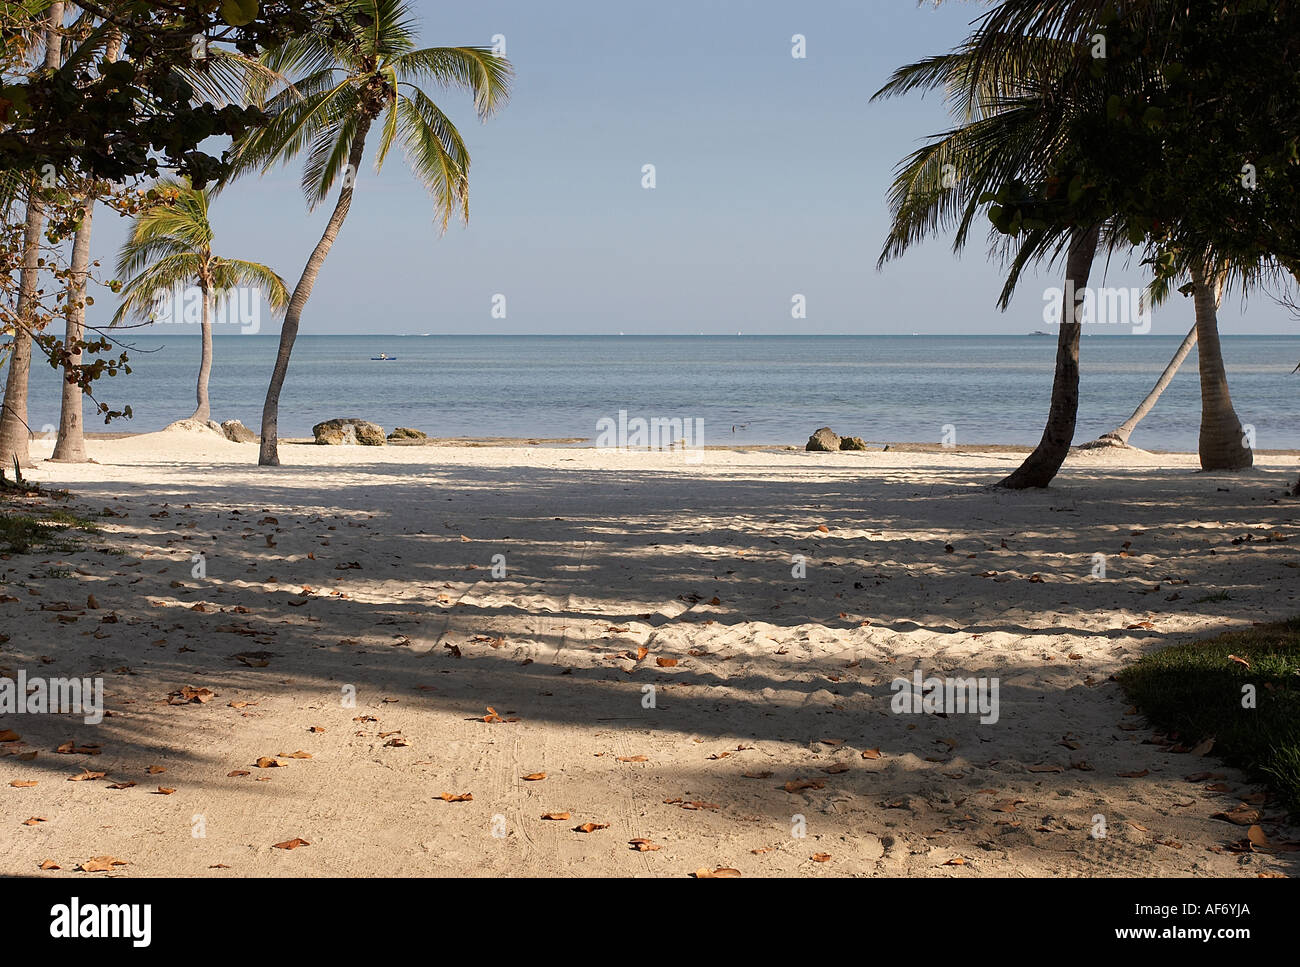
point(1041, 466)
point(14, 432)
point(1119, 436)
point(269, 455)
point(202, 411)
point(71, 444)
point(1222, 443)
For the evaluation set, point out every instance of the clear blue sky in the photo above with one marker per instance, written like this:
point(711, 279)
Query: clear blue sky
point(771, 174)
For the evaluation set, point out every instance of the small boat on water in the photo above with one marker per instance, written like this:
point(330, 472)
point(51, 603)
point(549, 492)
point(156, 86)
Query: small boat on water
point(383, 358)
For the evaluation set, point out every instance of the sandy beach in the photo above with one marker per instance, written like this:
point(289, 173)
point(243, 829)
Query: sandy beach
point(378, 572)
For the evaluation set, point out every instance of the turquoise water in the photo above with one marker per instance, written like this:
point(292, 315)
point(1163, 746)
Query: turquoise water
point(746, 389)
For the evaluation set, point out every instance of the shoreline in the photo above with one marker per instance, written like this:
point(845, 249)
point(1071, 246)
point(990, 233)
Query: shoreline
point(577, 443)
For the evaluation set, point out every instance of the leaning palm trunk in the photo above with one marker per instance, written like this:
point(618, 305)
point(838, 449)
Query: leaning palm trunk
point(1223, 440)
point(1119, 436)
point(269, 455)
point(71, 444)
point(1041, 466)
point(14, 432)
point(202, 411)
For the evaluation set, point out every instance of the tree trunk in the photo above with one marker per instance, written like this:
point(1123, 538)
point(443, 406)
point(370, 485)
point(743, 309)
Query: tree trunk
point(269, 455)
point(1041, 466)
point(1223, 443)
point(71, 444)
point(14, 432)
point(1118, 437)
point(202, 411)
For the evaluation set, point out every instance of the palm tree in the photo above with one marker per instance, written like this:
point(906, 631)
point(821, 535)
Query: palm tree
point(169, 249)
point(14, 432)
point(1014, 113)
point(1222, 440)
point(70, 447)
point(1119, 436)
point(347, 81)
point(1014, 29)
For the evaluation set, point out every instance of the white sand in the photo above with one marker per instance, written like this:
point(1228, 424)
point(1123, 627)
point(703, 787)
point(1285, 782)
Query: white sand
point(606, 554)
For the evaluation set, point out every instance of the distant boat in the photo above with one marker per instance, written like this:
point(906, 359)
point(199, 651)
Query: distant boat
point(383, 358)
point(1039, 332)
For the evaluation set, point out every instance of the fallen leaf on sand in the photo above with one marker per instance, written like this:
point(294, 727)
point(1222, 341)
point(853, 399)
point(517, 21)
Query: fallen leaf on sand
point(492, 715)
point(9, 735)
point(41, 819)
point(871, 753)
point(1007, 805)
point(239, 704)
point(453, 797)
point(534, 777)
point(1134, 775)
point(316, 728)
point(956, 861)
point(821, 857)
point(633, 758)
point(266, 762)
point(559, 816)
point(1203, 748)
point(86, 774)
point(1046, 767)
point(643, 845)
point(101, 864)
point(291, 844)
point(397, 742)
point(1255, 834)
point(1241, 815)
point(154, 770)
point(666, 662)
point(164, 791)
point(795, 785)
point(49, 865)
point(189, 694)
point(1239, 660)
point(295, 755)
point(590, 827)
point(721, 873)
point(756, 775)
point(122, 785)
point(836, 768)
point(23, 783)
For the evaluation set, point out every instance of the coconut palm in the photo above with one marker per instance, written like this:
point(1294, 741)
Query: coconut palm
point(170, 249)
point(1015, 28)
point(14, 432)
point(1119, 436)
point(1222, 443)
point(343, 83)
point(70, 446)
point(1014, 115)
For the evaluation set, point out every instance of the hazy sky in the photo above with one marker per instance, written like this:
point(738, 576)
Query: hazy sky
point(771, 178)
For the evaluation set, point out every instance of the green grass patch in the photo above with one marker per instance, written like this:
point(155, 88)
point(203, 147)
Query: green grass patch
point(1197, 691)
point(41, 529)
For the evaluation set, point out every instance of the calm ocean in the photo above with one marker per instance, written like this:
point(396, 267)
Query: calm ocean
point(746, 389)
